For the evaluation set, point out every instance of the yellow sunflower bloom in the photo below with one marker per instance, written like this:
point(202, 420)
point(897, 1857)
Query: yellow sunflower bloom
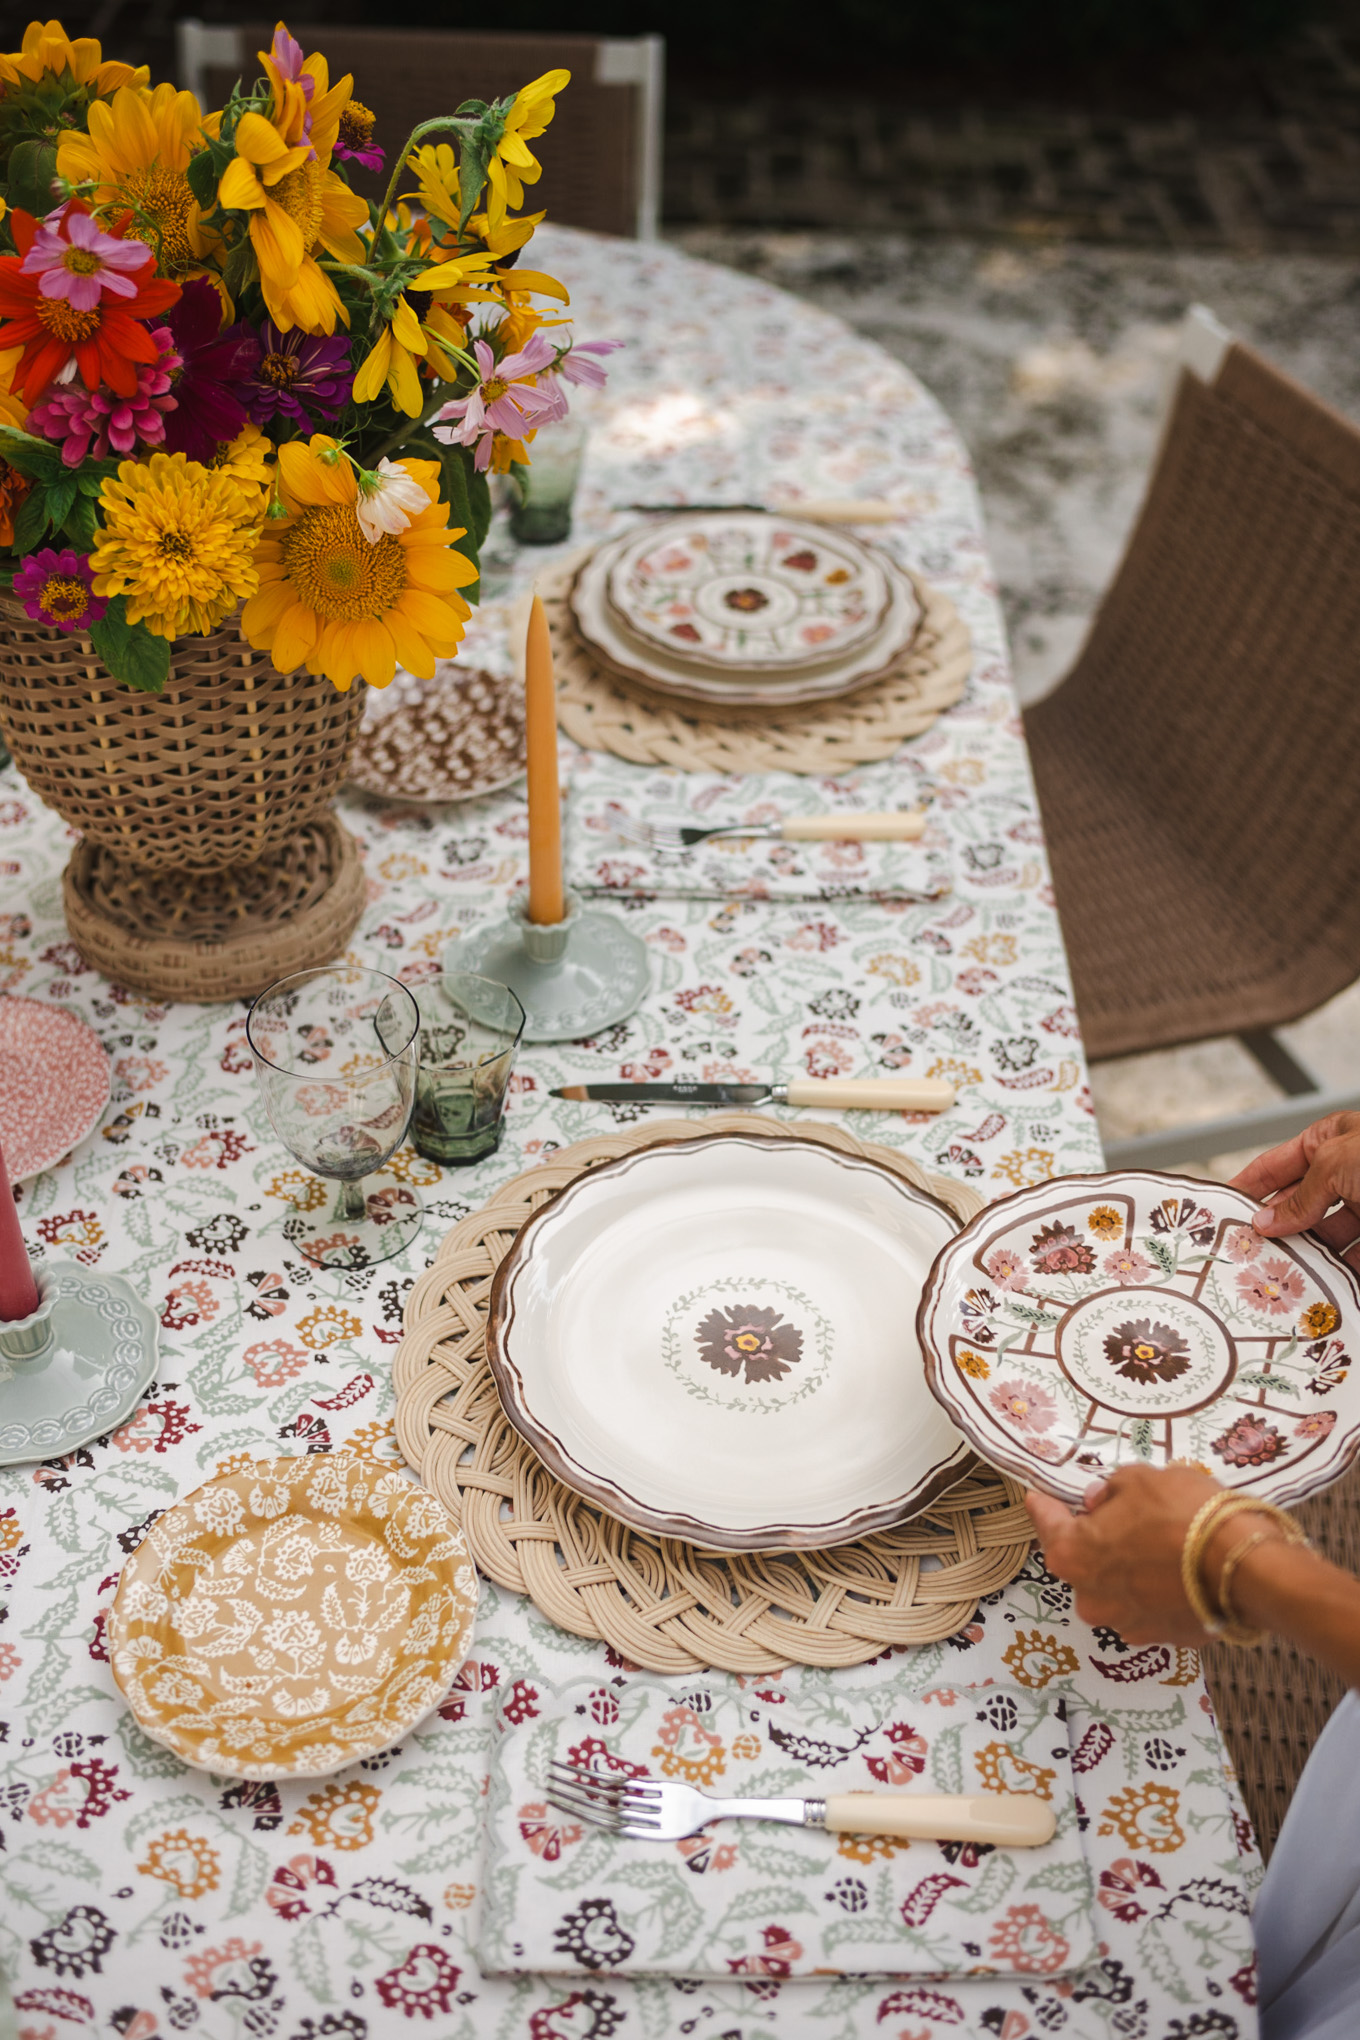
point(135, 155)
point(342, 606)
point(178, 542)
point(514, 164)
point(48, 50)
point(296, 205)
point(436, 172)
point(409, 338)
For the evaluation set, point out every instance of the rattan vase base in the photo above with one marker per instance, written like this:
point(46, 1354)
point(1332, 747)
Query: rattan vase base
point(211, 935)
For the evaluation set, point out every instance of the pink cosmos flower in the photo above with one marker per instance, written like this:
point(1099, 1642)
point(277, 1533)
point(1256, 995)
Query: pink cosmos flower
point(1274, 1287)
point(91, 424)
point(505, 400)
point(1127, 1266)
point(72, 259)
point(577, 369)
point(1008, 1270)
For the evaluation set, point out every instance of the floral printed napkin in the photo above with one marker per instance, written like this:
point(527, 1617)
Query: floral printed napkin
point(599, 860)
point(748, 1899)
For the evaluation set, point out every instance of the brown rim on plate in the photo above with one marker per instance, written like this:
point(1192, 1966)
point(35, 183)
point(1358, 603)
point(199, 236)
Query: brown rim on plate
point(1029, 1469)
point(746, 707)
point(615, 1501)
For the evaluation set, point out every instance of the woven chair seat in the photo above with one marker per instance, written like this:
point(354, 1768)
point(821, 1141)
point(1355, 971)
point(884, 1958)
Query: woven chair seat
point(1197, 768)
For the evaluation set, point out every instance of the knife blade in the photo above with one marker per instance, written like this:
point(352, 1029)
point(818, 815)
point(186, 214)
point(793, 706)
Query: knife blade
point(858, 1094)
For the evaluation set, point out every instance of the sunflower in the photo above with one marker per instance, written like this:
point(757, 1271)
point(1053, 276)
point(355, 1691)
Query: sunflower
point(409, 337)
point(330, 599)
point(281, 176)
point(514, 165)
point(135, 155)
point(178, 542)
point(48, 51)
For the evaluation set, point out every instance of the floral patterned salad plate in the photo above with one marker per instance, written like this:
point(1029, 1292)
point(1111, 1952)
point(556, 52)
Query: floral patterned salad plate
point(286, 1620)
point(739, 589)
point(713, 1339)
point(54, 1084)
point(1100, 1321)
point(455, 737)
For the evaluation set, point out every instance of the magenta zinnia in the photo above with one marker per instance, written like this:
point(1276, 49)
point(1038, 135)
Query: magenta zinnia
point(92, 424)
point(302, 376)
point(55, 589)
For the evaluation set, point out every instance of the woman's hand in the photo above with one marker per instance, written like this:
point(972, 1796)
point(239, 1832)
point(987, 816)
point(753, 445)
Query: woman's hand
point(1305, 1177)
point(1124, 1555)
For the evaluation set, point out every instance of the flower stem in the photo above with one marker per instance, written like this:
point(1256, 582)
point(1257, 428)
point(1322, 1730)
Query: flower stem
point(403, 432)
point(448, 122)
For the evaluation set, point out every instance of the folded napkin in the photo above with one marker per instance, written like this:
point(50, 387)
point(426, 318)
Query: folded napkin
point(750, 1900)
point(599, 860)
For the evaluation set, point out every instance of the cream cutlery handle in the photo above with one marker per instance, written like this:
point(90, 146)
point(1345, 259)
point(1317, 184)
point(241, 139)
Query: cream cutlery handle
point(844, 510)
point(872, 1094)
point(1010, 1820)
point(899, 825)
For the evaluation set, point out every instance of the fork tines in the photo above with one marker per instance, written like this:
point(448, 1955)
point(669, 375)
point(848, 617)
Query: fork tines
point(607, 1799)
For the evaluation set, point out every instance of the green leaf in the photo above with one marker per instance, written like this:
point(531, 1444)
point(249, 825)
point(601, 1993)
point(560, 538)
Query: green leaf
point(31, 523)
point(60, 499)
point(469, 500)
point(202, 177)
point(36, 458)
point(130, 651)
point(32, 168)
point(81, 525)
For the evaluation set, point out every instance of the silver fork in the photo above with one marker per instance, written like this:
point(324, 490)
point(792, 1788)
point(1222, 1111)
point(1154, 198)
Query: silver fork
point(899, 825)
point(646, 1810)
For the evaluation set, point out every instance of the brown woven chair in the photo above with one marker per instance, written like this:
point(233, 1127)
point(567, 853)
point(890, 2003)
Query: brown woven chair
point(601, 156)
point(1198, 767)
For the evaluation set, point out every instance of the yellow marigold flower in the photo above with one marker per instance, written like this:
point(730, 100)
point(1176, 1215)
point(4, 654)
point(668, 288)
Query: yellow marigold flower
point(330, 599)
point(1105, 1222)
point(135, 154)
point(972, 1364)
point(296, 202)
point(1319, 1319)
point(514, 165)
point(178, 543)
point(249, 462)
point(48, 49)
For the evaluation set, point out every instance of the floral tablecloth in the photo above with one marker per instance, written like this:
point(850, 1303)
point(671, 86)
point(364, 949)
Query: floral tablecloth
point(144, 1899)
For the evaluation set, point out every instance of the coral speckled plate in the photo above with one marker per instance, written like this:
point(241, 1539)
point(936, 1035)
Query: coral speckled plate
point(54, 1084)
point(287, 1620)
point(1103, 1321)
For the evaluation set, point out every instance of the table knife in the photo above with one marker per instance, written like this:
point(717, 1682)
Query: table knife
point(817, 509)
point(836, 1094)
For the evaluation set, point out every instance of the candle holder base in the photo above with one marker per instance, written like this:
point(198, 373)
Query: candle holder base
point(573, 978)
point(76, 1367)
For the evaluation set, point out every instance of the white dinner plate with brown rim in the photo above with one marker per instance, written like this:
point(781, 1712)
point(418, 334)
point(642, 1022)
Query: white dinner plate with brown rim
point(713, 1339)
point(652, 667)
point(1108, 1320)
point(737, 589)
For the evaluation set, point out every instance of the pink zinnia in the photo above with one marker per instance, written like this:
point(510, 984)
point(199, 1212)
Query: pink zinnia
point(73, 260)
point(505, 400)
point(56, 588)
point(91, 424)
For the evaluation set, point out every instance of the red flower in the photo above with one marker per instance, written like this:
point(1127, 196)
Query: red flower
point(105, 342)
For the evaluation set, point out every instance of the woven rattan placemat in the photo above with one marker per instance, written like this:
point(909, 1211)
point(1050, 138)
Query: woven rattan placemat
point(597, 712)
point(660, 1603)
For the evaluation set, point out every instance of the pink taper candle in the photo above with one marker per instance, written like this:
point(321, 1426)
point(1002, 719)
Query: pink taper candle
point(546, 902)
point(18, 1290)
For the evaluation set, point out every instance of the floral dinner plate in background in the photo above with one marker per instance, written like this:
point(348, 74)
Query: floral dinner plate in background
point(1102, 1321)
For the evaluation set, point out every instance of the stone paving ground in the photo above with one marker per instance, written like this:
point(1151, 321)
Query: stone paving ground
point(1053, 361)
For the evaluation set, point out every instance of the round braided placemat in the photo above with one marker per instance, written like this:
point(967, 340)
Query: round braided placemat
point(598, 713)
point(661, 1603)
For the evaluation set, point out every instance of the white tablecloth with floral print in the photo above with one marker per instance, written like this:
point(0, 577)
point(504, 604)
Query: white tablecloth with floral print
point(144, 1899)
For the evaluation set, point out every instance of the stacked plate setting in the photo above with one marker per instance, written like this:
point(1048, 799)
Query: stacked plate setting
point(741, 609)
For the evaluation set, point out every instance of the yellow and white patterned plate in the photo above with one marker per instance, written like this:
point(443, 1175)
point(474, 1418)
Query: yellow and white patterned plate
point(287, 1620)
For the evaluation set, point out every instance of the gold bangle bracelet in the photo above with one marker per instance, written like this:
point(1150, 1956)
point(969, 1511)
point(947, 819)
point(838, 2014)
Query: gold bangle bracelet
point(1234, 1630)
point(1218, 1621)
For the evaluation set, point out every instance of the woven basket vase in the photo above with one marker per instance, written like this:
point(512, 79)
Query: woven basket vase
point(207, 865)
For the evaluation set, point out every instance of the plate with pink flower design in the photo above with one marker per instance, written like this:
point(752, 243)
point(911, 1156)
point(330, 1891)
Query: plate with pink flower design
point(1106, 1321)
point(712, 1339)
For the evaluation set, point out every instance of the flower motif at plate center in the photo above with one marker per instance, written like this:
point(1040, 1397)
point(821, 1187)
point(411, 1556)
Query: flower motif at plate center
point(746, 1340)
point(747, 1343)
point(1145, 1352)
